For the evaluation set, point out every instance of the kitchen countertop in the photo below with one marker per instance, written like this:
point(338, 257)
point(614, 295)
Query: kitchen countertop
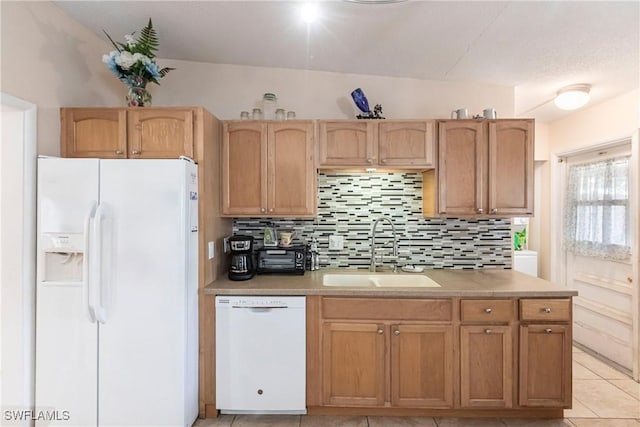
point(454, 283)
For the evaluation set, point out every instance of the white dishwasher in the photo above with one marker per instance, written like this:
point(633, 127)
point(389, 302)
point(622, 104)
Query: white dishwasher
point(260, 354)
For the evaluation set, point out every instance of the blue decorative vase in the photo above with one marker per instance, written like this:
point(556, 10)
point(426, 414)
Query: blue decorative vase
point(361, 100)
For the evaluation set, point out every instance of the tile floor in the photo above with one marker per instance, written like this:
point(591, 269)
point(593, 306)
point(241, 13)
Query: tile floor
point(602, 397)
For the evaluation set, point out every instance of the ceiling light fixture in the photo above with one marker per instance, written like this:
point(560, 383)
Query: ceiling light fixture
point(375, 1)
point(309, 12)
point(572, 97)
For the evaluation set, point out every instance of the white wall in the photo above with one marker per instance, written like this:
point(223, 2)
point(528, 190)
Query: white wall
point(51, 60)
point(17, 253)
point(611, 120)
point(225, 90)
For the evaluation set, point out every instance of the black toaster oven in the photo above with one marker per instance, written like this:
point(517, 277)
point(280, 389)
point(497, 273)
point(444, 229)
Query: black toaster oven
point(290, 260)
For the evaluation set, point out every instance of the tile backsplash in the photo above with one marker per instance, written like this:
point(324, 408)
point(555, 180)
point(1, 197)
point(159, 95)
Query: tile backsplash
point(348, 203)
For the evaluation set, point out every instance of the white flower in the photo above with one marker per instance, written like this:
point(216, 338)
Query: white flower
point(142, 58)
point(108, 59)
point(125, 60)
point(130, 40)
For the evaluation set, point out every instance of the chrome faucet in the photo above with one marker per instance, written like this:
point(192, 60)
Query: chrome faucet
point(373, 264)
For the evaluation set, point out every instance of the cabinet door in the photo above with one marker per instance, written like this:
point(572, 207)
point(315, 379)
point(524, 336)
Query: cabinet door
point(461, 170)
point(353, 364)
point(291, 178)
point(422, 366)
point(545, 365)
point(406, 143)
point(347, 143)
point(244, 168)
point(93, 132)
point(511, 167)
point(160, 133)
point(486, 366)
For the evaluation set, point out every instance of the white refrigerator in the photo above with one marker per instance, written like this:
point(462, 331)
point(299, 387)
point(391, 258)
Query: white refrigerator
point(116, 302)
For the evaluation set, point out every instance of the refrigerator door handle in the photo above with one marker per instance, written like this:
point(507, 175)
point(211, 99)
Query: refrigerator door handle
point(87, 283)
point(100, 296)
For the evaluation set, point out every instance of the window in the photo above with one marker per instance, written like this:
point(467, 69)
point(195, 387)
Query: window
point(596, 217)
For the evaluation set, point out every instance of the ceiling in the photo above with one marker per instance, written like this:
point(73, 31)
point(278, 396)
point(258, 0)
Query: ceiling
point(535, 46)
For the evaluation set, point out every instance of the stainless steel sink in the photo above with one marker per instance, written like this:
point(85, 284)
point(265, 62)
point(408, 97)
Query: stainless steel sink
point(367, 280)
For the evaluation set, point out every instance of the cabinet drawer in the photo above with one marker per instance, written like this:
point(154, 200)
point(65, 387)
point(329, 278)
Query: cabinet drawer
point(487, 310)
point(386, 309)
point(545, 309)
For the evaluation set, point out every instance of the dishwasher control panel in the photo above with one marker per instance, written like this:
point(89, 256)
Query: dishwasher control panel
point(260, 302)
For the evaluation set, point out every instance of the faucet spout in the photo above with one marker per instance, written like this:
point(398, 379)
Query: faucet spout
point(372, 266)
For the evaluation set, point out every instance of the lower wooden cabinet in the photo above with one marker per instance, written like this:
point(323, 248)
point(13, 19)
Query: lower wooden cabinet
point(545, 365)
point(422, 366)
point(420, 363)
point(545, 352)
point(486, 366)
point(391, 352)
point(354, 364)
point(437, 355)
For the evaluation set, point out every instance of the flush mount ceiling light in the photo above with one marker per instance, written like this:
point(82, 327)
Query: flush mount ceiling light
point(375, 1)
point(572, 97)
point(309, 12)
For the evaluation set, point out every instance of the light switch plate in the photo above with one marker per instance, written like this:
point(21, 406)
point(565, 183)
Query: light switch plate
point(336, 242)
point(212, 249)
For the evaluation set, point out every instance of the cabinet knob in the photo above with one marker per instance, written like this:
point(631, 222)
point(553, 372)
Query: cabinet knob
point(494, 210)
point(488, 310)
point(547, 310)
point(396, 332)
point(262, 210)
point(135, 152)
point(547, 331)
point(380, 331)
point(271, 210)
point(119, 152)
point(383, 160)
point(479, 210)
point(488, 331)
point(369, 161)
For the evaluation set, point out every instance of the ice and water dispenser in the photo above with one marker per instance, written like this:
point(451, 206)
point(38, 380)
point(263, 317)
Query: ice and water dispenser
point(63, 256)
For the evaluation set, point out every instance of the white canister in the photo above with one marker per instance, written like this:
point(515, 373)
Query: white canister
point(269, 105)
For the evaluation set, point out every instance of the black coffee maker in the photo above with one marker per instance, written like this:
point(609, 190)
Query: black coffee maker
point(242, 264)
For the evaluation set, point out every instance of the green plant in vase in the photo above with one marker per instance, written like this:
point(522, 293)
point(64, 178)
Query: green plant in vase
point(519, 240)
point(133, 62)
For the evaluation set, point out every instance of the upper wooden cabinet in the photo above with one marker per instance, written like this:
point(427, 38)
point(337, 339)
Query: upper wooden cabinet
point(119, 133)
point(485, 168)
point(347, 143)
point(268, 169)
point(160, 133)
point(407, 144)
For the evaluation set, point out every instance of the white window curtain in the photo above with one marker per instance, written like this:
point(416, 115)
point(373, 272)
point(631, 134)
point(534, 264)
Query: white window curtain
point(596, 216)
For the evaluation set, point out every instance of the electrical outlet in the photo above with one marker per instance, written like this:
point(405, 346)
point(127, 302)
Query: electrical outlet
point(336, 242)
point(212, 249)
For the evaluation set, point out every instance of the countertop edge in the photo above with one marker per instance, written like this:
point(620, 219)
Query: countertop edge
point(489, 283)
